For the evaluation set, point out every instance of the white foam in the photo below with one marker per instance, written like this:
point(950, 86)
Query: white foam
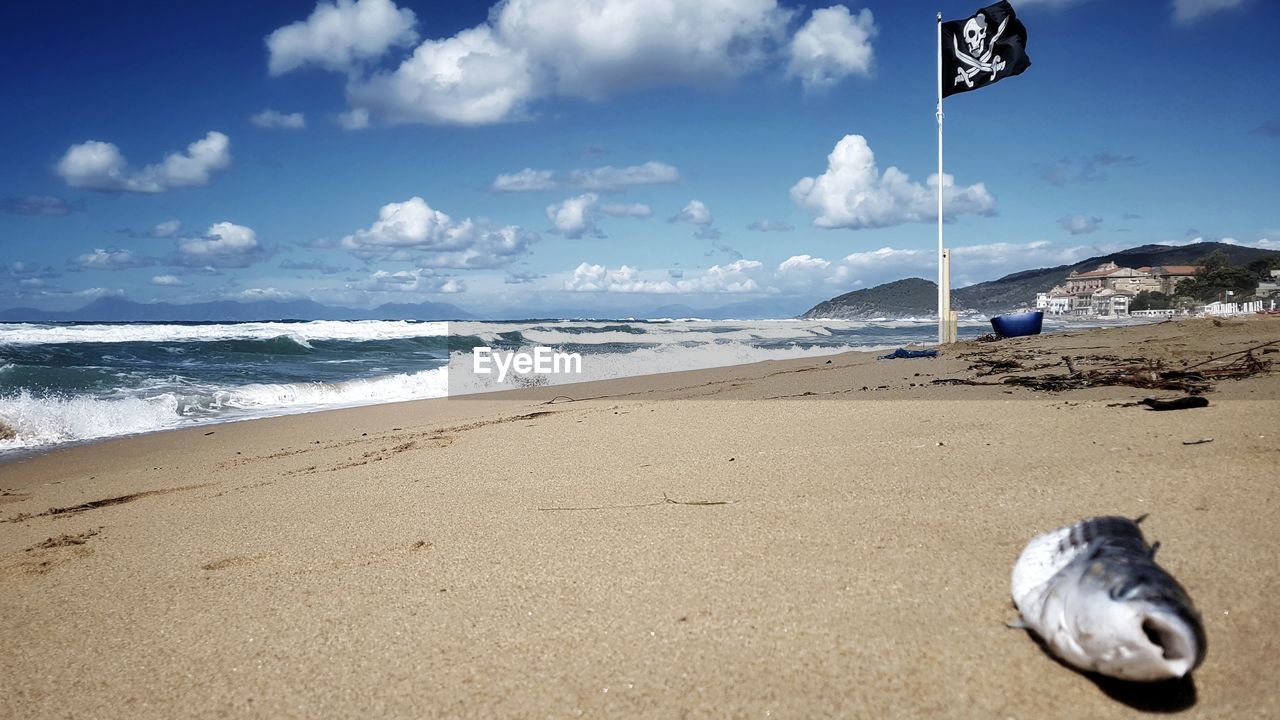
point(39, 421)
point(302, 333)
point(53, 420)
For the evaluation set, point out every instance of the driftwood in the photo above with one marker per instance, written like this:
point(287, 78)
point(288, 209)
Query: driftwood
point(1016, 369)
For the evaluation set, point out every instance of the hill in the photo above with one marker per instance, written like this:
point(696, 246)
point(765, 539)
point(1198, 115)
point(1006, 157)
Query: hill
point(919, 297)
point(912, 297)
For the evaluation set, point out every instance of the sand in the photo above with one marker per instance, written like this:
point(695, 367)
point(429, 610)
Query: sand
point(767, 540)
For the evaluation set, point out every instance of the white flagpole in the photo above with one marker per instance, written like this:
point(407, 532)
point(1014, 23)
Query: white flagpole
point(944, 292)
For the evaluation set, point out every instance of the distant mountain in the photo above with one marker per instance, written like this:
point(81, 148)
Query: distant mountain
point(122, 310)
point(915, 297)
point(912, 297)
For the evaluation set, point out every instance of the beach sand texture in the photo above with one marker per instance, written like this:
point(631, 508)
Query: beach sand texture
point(768, 540)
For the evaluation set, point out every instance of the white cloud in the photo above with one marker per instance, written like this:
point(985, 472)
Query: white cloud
point(852, 193)
point(357, 119)
point(831, 46)
point(167, 281)
point(594, 50)
point(1188, 11)
point(166, 229)
point(609, 178)
point(735, 277)
point(284, 121)
point(573, 218)
point(266, 293)
point(100, 166)
point(224, 245)
point(526, 180)
point(111, 259)
point(97, 292)
point(338, 35)
point(695, 213)
point(416, 231)
point(631, 210)
point(1080, 224)
point(771, 226)
point(410, 281)
point(601, 179)
point(471, 78)
point(532, 49)
point(1264, 243)
point(810, 275)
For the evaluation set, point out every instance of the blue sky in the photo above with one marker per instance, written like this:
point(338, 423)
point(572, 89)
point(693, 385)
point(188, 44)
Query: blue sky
point(608, 157)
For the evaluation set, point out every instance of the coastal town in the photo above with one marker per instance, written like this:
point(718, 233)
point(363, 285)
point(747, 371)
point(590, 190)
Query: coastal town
point(1112, 291)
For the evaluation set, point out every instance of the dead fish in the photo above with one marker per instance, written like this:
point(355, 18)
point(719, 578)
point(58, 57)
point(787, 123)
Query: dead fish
point(1094, 593)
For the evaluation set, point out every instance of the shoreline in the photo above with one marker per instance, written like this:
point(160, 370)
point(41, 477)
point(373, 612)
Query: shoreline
point(18, 454)
point(809, 537)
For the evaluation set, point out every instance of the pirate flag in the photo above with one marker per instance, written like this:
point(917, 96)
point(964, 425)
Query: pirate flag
point(990, 46)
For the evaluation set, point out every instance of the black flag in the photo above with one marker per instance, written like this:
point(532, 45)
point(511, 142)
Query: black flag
point(977, 51)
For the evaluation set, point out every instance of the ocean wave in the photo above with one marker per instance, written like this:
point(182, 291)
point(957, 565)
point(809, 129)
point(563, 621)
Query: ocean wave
point(30, 420)
point(302, 333)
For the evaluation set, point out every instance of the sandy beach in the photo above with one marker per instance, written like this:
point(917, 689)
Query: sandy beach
point(824, 537)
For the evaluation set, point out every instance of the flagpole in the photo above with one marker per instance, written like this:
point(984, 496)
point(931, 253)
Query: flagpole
point(943, 291)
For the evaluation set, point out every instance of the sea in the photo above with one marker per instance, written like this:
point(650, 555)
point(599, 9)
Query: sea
point(65, 383)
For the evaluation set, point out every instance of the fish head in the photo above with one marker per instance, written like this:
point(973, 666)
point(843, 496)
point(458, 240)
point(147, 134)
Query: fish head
point(1138, 624)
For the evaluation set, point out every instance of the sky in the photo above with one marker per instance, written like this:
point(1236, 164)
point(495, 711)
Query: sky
point(608, 157)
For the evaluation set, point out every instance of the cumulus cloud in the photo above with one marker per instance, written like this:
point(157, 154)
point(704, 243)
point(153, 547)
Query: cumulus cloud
point(167, 281)
point(533, 49)
point(573, 218)
point(602, 179)
point(1188, 11)
point(261, 293)
point(526, 180)
point(831, 46)
point(627, 210)
point(809, 275)
point(472, 78)
point(852, 193)
point(413, 230)
point(100, 166)
point(282, 121)
point(25, 270)
point(45, 205)
point(341, 34)
point(609, 178)
point(695, 213)
point(111, 259)
point(1080, 224)
point(223, 245)
point(735, 277)
point(356, 119)
point(410, 281)
point(771, 226)
point(166, 229)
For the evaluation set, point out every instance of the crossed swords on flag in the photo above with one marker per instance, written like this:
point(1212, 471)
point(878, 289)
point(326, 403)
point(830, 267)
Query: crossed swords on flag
point(982, 64)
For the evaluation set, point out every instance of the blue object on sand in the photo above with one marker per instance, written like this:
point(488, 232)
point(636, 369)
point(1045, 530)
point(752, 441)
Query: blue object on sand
point(1018, 324)
point(905, 353)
